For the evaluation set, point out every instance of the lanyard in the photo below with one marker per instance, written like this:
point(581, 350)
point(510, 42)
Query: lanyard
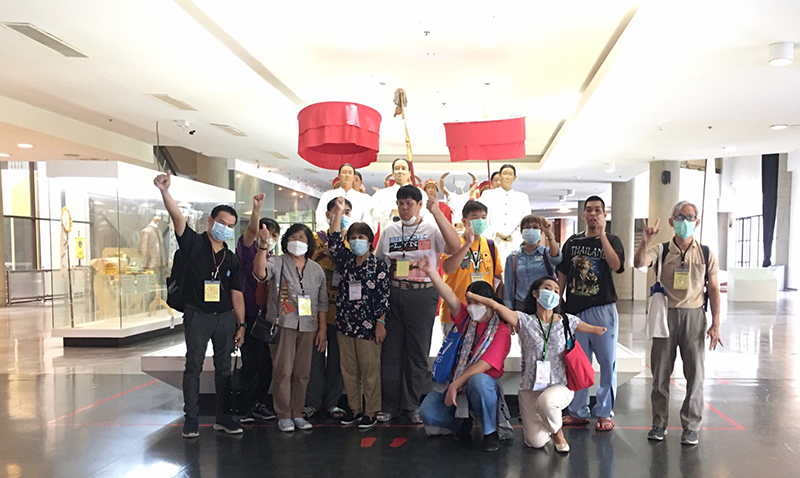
point(403, 234)
point(683, 253)
point(217, 266)
point(546, 336)
point(300, 276)
point(476, 263)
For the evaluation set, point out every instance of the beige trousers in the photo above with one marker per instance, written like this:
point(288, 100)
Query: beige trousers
point(361, 366)
point(291, 369)
point(541, 413)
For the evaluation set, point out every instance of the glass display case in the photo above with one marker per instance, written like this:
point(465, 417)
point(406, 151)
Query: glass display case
point(112, 248)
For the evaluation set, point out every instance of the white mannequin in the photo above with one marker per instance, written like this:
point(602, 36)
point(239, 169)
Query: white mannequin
point(457, 201)
point(384, 201)
point(506, 210)
point(346, 187)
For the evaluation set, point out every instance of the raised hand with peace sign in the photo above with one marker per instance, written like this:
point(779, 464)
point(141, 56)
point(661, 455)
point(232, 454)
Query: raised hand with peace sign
point(650, 231)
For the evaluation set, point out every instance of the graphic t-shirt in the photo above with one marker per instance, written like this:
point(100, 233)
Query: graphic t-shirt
point(476, 265)
point(410, 243)
point(589, 280)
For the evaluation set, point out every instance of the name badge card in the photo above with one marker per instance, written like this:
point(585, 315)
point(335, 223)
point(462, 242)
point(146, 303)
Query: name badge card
point(542, 375)
point(211, 288)
point(476, 277)
point(401, 271)
point(336, 279)
point(681, 281)
point(355, 291)
point(304, 305)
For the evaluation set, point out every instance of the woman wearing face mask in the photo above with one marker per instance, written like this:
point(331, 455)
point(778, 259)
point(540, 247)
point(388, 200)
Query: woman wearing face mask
point(299, 303)
point(543, 393)
point(532, 261)
point(480, 359)
point(361, 307)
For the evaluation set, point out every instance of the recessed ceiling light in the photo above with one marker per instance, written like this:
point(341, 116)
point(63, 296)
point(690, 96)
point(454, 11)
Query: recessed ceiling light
point(71, 155)
point(5, 155)
point(781, 54)
point(779, 126)
point(564, 209)
point(174, 102)
point(730, 148)
point(24, 146)
point(47, 39)
point(431, 54)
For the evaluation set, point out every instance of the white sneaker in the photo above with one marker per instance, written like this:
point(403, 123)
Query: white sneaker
point(286, 425)
point(302, 423)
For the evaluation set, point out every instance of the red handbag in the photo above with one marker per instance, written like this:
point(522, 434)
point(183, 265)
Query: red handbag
point(580, 374)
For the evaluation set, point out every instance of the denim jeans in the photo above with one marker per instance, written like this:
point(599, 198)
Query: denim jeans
point(482, 396)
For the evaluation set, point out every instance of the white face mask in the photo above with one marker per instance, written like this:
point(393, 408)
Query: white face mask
point(271, 243)
point(409, 222)
point(477, 312)
point(297, 248)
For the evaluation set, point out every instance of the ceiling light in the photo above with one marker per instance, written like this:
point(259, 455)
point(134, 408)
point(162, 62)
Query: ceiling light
point(610, 167)
point(71, 155)
point(781, 54)
point(44, 38)
point(174, 102)
point(486, 80)
point(730, 148)
point(570, 192)
point(562, 198)
point(431, 54)
point(564, 209)
point(5, 155)
point(24, 146)
point(294, 194)
point(278, 155)
point(229, 129)
point(779, 126)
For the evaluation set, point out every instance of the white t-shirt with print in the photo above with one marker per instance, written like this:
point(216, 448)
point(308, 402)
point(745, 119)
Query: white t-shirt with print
point(411, 243)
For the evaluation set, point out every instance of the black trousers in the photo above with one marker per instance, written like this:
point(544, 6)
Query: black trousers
point(256, 366)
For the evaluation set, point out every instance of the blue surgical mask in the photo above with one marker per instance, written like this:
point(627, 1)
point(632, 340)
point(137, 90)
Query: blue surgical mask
point(548, 299)
point(531, 236)
point(221, 232)
point(479, 225)
point(684, 229)
point(345, 222)
point(359, 246)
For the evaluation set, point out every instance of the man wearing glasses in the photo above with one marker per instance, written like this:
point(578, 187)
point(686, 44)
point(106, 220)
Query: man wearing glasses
point(688, 269)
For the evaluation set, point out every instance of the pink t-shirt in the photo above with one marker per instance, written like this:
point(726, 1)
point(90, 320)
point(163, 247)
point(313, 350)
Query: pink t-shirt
point(495, 355)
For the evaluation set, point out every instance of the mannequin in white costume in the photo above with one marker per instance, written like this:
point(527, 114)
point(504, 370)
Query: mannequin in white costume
point(456, 201)
point(360, 201)
point(506, 210)
point(384, 201)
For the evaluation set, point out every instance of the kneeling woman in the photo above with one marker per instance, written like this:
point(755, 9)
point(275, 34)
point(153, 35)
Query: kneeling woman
point(482, 353)
point(543, 393)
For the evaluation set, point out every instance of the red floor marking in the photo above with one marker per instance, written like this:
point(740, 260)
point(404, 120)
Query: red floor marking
point(88, 407)
point(398, 442)
point(368, 442)
point(722, 381)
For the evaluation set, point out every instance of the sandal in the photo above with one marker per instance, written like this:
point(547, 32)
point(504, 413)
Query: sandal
point(336, 413)
point(604, 424)
point(415, 418)
point(569, 420)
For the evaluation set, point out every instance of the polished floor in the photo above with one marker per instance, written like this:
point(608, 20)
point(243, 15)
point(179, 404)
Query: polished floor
point(92, 413)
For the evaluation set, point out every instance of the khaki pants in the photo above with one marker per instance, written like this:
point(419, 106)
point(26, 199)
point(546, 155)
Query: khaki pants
point(291, 368)
point(361, 366)
point(541, 413)
point(687, 331)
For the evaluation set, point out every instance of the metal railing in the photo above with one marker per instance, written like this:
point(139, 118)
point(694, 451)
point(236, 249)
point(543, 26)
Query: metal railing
point(38, 285)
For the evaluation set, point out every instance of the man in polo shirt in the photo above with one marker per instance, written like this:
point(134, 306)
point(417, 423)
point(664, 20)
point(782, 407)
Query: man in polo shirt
point(214, 305)
point(412, 300)
point(685, 275)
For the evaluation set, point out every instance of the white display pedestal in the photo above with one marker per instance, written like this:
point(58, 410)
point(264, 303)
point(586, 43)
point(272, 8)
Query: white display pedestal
point(752, 285)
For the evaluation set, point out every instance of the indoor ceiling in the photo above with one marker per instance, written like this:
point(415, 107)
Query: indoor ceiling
point(597, 83)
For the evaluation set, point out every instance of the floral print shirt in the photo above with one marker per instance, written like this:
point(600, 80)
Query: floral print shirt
point(358, 318)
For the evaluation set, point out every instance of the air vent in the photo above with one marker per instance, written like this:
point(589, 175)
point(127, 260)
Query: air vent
point(46, 39)
point(229, 129)
point(175, 103)
point(278, 155)
point(311, 170)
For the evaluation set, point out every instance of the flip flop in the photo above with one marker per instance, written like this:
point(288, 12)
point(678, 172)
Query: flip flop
point(336, 413)
point(569, 420)
point(604, 424)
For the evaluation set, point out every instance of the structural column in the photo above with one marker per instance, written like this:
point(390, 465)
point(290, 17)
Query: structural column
point(622, 199)
point(2, 249)
point(783, 216)
point(581, 222)
point(213, 171)
point(663, 197)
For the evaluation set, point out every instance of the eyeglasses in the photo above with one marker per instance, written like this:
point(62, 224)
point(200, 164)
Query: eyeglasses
point(681, 217)
point(406, 203)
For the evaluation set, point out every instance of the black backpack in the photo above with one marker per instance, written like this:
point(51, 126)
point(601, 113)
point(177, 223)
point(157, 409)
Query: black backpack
point(665, 252)
point(176, 283)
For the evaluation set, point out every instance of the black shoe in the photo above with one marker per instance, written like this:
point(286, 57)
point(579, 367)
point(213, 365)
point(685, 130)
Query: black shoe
point(464, 434)
point(367, 422)
point(491, 442)
point(227, 424)
point(191, 428)
point(261, 412)
point(351, 419)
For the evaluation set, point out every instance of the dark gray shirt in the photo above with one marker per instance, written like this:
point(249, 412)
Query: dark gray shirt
point(282, 270)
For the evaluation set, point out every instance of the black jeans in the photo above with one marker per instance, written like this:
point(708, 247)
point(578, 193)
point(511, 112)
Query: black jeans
point(256, 366)
point(325, 385)
point(198, 328)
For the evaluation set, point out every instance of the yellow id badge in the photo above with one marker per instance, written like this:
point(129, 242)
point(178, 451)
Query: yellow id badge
point(401, 272)
point(477, 277)
point(304, 305)
point(211, 291)
point(681, 281)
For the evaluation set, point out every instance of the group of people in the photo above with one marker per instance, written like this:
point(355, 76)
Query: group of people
point(355, 304)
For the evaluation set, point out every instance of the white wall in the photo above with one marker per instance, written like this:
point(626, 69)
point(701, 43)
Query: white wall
point(740, 192)
point(793, 270)
point(641, 193)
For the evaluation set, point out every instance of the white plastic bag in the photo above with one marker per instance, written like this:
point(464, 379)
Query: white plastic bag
point(657, 326)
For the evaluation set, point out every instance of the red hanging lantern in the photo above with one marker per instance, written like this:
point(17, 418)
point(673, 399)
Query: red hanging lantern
point(333, 133)
point(486, 140)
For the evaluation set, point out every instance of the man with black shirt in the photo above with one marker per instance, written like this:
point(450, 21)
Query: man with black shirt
point(588, 260)
point(214, 305)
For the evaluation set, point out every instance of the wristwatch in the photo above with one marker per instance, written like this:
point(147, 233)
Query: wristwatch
point(240, 325)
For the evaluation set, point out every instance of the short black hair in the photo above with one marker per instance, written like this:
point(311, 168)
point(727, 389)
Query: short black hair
point(401, 159)
point(271, 224)
point(299, 226)
point(530, 301)
point(347, 164)
point(361, 228)
point(224, 208)
point(473, 205)
point(409, 192)
point(483, 289)
point(530, 219)
point(498, 172)
point(359, 175)
point(332, 203)
point(594, 198)
point(508, 166)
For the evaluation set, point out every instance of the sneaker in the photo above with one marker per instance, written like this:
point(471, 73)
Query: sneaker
point(657, 433)
point(384, 417)
point(191, 428)
point(367, 422)
point(228, 425)
point(689, 437)
point(491, 442)
point(464, 434)
point(261, 412)
point(249, 418)
point(286, 425)
point(351, 419)
point(302, 423)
